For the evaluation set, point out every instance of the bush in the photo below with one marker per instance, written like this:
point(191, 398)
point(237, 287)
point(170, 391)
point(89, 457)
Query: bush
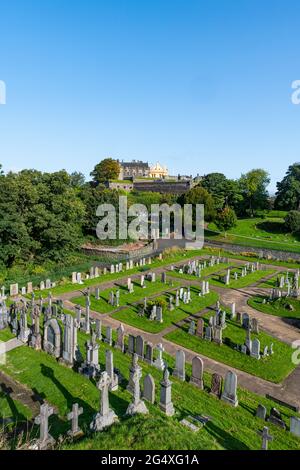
point(292, 222)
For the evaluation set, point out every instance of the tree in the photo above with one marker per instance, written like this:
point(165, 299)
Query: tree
point(77, 179)
point(254, 190)
point(292, 222)
point(225, 192)
point(199, 195)
point(288, 190)
point(107, 169)
point(226, 219)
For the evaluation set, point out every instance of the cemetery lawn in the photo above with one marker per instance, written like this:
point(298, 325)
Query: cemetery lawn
point(102, 305)
point(263, 233)
point(205, 272)
point(273, 368)
point(171, 256)
point(12, 411)
point(131, 317)
point(246, 281)
point(6, 335)
point(229, 428)
point(278, 307)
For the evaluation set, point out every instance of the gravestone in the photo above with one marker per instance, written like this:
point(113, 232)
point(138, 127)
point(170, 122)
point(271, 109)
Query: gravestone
point(200, 327)
point(105, 417)
point(255, 326)
point(265, 437)
point(137, 406)
point(192, 328)
point(197, 372)
point(13, 289)
point(229, 394)
point(108, 335)
point(131, 344)
point(295, 426)
point(29, 288)
point(109, 367)
point(52, 338)
point(140, 347)
point(149, 353)
point(159, 362)
point(165, 403)
point(255, 351)
point(120, 344)
point(245, 320)
point(261, 412)
point(45, 441)
point(216, 385)
point(149, 389)
point(179, 370)
point(73, 416)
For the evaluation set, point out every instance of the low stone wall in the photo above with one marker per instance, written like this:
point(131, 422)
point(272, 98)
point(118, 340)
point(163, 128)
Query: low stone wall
point(168, 187)
point(278, 255)
point(121, 254)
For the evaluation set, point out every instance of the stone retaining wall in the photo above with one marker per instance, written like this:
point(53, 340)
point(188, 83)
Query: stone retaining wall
point(263, 253)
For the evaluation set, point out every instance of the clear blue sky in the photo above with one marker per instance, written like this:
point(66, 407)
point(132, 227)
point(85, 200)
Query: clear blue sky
point(200, 85)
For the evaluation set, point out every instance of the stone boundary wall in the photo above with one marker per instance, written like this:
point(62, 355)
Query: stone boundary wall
point(115, 255)
point(270, 254)
point(169, 187)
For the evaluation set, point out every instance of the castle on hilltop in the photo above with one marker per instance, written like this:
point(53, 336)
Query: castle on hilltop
point(138, 169)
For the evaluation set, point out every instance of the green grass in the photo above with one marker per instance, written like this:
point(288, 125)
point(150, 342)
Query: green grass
point(130, 315)
point(229, 428)
point(168, 258)
point(6, 335)
point(276, 307)
point(273, 368)
point(241, 282)
point(204, 272)
point(13, 410)
point(102, 305)
point(266, 232)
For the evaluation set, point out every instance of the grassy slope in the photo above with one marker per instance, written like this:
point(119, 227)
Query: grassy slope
point(130, 315)
point(13, 409)
point(229, 428)
point(102, 305)
point(6, 335)
point(258, 232)
point(171, 257)
point(276, 307)
point(251, 278)
point(273, 368)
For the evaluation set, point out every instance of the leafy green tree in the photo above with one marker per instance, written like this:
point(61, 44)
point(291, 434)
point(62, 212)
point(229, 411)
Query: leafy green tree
point(288, 190)
point(225, 192)
point(254, 190)
point(292, 222)
point(226, 219)
point(77, 179)
point(199, 195)
point(107, 169)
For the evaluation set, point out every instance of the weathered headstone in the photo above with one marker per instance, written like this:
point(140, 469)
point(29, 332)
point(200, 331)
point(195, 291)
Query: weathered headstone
point(229, 394)
point(149, 389)
point(216, 385)
point(197, 372)
point(261, 412)
point(45, 441)
point(105, 417)
point(73, 416)
point(179, 370)
point(165, 403)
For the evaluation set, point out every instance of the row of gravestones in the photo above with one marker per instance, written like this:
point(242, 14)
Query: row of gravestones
point(106, 417)
point(144, 351)
point(78, 278)
point(14, 289)
point(276, 418)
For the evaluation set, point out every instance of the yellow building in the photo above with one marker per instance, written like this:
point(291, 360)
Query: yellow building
point(158, 171)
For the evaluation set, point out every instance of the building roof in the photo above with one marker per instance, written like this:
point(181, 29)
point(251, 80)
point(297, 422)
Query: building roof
point(134, 163)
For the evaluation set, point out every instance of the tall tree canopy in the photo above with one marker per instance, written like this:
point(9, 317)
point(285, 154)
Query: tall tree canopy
point(253, 187)
point(288, 190)
point(225, 192)
point(107, 169)
point(199, 195)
